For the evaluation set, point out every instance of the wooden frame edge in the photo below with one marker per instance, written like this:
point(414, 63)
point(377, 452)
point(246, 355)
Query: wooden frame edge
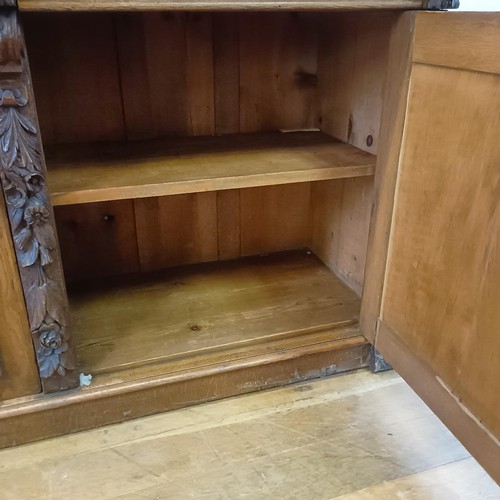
point(386, 172)
point(211, 5)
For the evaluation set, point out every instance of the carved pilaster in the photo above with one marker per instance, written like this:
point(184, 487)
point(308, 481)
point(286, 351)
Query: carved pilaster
point(23, 179)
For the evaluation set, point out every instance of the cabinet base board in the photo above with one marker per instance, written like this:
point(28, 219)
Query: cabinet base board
point(31, 419)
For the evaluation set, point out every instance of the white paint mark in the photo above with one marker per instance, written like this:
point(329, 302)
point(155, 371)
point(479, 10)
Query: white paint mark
point(85, 379)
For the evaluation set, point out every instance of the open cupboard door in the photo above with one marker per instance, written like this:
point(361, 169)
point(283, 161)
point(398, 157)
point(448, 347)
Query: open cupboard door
point(432, 295)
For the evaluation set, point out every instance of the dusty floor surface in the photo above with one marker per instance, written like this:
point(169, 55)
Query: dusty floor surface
point(353, 436)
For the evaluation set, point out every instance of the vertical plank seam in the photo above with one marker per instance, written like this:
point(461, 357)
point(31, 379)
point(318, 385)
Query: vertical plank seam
point(139, 260)
point(214, 104)
point(120, 74)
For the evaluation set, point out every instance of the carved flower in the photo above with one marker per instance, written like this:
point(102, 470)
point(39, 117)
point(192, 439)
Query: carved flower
point(15, 196)
point(37, 238)
point(34, 182)
point(36, 214)
point(51, 351)
point(51, 340)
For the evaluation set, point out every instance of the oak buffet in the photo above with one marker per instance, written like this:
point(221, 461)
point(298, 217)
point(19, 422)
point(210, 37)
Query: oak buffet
point(234, 195)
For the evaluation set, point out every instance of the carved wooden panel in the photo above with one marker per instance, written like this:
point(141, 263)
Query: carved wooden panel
point(23, 179)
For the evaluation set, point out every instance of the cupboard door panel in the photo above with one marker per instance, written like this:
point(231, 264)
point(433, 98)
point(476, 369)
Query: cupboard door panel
point(442, 287)
point(439, 317)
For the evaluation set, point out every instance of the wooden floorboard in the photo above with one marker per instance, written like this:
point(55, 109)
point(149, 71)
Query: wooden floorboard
point(184, 312)
point(83, 173)
point(356, 436)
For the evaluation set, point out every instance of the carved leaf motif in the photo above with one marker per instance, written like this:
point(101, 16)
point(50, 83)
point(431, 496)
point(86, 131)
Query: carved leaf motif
point(56, 303)
point(48, 365)
point(17, 217)
point(27, 247)
point(23, 239)
point(37, 296)
point(45, 257)
point(18, 140)
point(45, 236)
point(35, 291)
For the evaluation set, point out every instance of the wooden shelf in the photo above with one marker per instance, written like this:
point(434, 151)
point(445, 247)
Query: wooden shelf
point(220, 312)
point(100, 5)
point(114, 171)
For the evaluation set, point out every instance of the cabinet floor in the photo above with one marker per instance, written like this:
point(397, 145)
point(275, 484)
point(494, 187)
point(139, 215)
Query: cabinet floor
point(184, 312)
point(351, 436)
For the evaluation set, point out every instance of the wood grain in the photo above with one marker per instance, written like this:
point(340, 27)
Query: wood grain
point(192, 310)
point(18, 368)
point(228, 224)
point(226, 48)
point(469, 40)
point(389, 150)
point(445, 254)
point(84, 5)
point(182, 100)
point(427, 383)
point(97, 239)
point(352, 67)
point(340, 212)
point(278, 67)
point(176, 230)
point(274, 218)
point(137, 101)
point(189, 165)
point(220, 446)
point(124, 400)
point(75, 77)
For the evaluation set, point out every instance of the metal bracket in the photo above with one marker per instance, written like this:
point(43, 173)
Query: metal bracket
point(441, 4)
point(376, 361)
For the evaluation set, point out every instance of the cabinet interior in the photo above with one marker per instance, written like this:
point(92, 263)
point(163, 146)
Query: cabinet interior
point(212, 177)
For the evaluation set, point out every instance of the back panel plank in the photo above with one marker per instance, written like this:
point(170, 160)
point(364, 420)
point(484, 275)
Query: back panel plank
point(178, 73)
point(176, 230)
point(75, 77)
point(226, 40)
point(278, 65)
point(228, 224)
point(274, 218)
point(97, 239)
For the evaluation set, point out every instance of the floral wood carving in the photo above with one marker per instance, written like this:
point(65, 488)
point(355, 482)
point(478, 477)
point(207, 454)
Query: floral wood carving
point(22, 175)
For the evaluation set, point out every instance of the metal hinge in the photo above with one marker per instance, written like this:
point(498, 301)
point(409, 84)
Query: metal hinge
point(441, 4)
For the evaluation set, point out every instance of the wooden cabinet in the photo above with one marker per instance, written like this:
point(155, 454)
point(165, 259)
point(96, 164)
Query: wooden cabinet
point(240, 199)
